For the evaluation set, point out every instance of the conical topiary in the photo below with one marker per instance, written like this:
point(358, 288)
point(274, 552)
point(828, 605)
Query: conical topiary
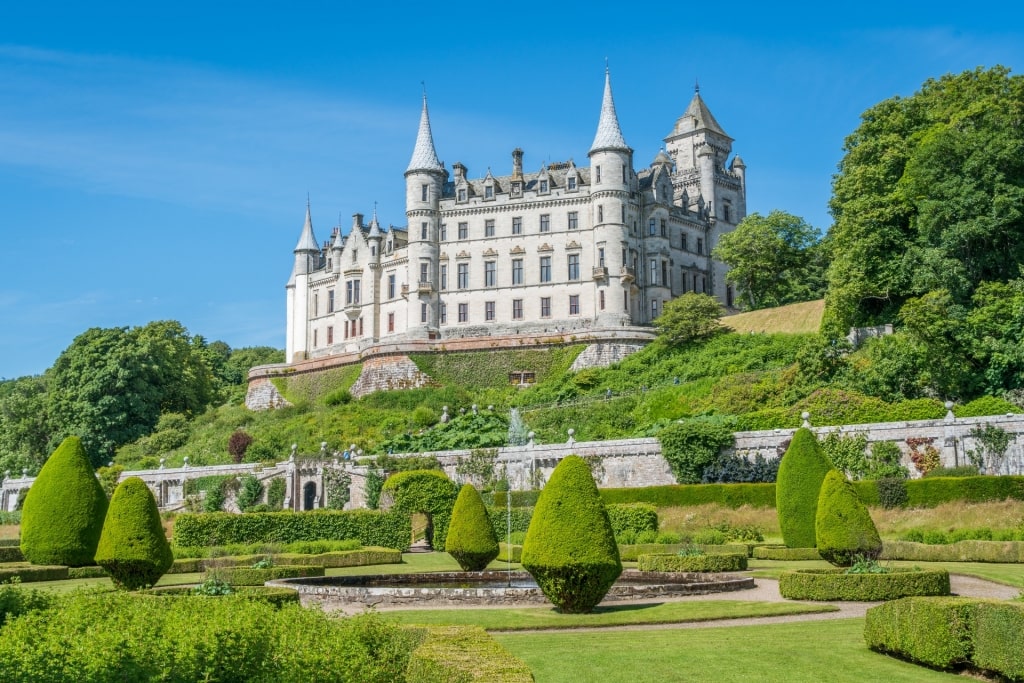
point(133, 548)
point(801, 472)
point(64, 510)
point(845, 530)
point(471, 540)
point(570, 549)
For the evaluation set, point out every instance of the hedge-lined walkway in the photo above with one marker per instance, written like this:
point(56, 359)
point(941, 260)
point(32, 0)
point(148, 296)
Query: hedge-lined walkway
point(767, 590)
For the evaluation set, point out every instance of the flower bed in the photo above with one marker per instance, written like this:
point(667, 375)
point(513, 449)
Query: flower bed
point(836, 584)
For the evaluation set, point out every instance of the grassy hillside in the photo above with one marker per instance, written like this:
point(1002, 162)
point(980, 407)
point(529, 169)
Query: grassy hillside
point(800, 318)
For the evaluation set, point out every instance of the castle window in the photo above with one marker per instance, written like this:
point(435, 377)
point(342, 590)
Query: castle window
point(545, 269)
point(489, 192)
point(683, 277)
point(316, 304)
point(700, 245)
point(682, 244)
point(330, 301)
point(314, 338)
point(391, 285)
point(600, 213)
point(625, 302)
point(517, 187)
point(463, 313)
point(424, 272)
point(624, 174)
point(391, 322)
point(600, 256)
point(463, 277)
point(652, 227)
point(490, 273)
point(574, 220)
point(543, 187)
point(727, 212)
point(574, 304)
point(423, 313)
point(444, 276)
point(330, 335)
point(597, 175)
point(601, 296)
point(463, 230)
point(728, 296)
point(623, 207)
point(654, 309)
point(444, 232)
point(654, 271)
point(423, 192)
point(489, 227)
point(545, 222)
point(517, 225)
point(574, 266)
point(462, 194)
point(664, 274)
point(444, 313)
point(664, 228)
point(517, 271)
point(373, 251)
point(570, 183)
point(489, 311)
point(517, 309)
point(545, 307)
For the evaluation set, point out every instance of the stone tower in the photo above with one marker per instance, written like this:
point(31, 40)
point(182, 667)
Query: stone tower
point(307, 256)
point(424, 183)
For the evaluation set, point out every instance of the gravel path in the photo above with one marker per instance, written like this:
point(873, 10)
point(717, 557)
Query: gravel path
point(767, 590)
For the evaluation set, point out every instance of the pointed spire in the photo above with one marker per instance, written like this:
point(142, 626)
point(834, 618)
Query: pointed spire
point(701, 115)
point(424, 156)
point(374, 225)
point(307, 242)
point(609, 135)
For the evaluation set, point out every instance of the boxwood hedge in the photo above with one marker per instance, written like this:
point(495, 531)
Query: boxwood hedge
point(272, 595)
point(683, 495)
point(346, 558)
point(28, 573)
point(777, 552)
point(801, 473)
point(370, 527)
point(692, 563)
point(133, 547)
point(632, 552)
point(471, 539)
point(11, 554)
point(998, 634)
point(836, 584)
point(1005, 552)
point(253, 576)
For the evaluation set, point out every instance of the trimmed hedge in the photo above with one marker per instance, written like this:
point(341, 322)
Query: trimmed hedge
point(87, 573)
point(11, 554)
point(778, 552)
point(133, 548)
point(1006, 552)
point(31, 573)
point(520, 518)
point(570, 549)
point(370, 527)
point(341, 558)
point(634, 517)
point(252, 576)
point(463, 654)
point(273, 595)
point(632, 553)
point(932, 631)
point(504, 550)
point(951, 632)
point(843, 529)
point(692, 563)
point(684, 495)
point(426, 491)
point(64, 510)
point(471, 539)
point(801, 473)
point(835, 584)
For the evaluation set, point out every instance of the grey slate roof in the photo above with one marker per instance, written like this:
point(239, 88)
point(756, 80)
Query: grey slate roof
point(697, 117)
point(307, 242)
point(609, 135)
point(424, 156)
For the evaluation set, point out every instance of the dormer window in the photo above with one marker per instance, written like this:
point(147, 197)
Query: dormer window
point(489, 192)
point(461, 194)
point(543, 187)
point(570, 183)
point(517, 187)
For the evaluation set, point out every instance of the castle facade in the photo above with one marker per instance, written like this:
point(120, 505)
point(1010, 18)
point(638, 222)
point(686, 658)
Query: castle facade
point(561, 249)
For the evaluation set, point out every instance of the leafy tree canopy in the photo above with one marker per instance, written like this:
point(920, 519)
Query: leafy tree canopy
point(929, 196)
point(688, 318)
point(773, 260)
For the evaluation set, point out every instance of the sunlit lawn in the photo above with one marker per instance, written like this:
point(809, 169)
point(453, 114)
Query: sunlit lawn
point(816, 651)
point(517, 619)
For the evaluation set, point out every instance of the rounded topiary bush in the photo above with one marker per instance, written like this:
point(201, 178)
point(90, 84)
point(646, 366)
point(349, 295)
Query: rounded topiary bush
point(63, 512)
point(843, 527)
point(133, 548)
point(426, 491)
point(569, 548)
point(801, 472)
point(471, 540)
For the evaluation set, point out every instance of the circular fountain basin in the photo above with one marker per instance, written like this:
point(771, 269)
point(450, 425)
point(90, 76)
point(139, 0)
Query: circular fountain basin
point(450, 589)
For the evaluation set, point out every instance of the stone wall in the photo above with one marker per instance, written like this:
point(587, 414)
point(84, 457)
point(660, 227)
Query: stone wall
point(385, 373)
point(263, 395)
point(602, 355)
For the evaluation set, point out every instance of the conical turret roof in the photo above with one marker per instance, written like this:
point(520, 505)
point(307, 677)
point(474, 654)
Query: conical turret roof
point(424, 156)
point(609, 135)
point(307, 242)
point(375, 232)
point(697, 117)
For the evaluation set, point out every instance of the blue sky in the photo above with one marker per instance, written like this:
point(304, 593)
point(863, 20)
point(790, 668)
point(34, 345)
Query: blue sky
point(155, 158)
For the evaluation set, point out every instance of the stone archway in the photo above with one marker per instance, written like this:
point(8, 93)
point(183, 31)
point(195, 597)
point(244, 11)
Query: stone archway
point(309, 495)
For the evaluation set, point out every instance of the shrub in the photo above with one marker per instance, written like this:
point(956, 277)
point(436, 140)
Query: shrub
point(959, 471)
point(519, 517)
point(15, 601)
point(11, 554)
point(250, 493)
point(843, 528)
point(709, 537)
point(933, 631)
point(257, 576)
point(471, 539)
point(133, 548)
point(238, 444)
point(27, 574)
point(998, 630)
point(426, 491)
point(689, 447)
point(801, 473)
point(370, 527)
point(276, 490)
point(835, 584)
point(570, 548)
point(768, 552)
point(632, 553)
point(984, 406)
point(64, 510)
point(692, 563)
point(892, 492)
point(1005, 552)
point(736, 468)
point(463, 654)
point(635, 517)
point(729, 495)
point(928, 492)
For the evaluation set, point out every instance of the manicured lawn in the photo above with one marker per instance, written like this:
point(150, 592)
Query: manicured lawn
point(831, 651)
point(1008, 574)
point(516, 619)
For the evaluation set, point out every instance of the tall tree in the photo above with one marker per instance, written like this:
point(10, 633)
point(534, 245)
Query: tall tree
point(772, 260)
point(929, 196)
point(24, 427)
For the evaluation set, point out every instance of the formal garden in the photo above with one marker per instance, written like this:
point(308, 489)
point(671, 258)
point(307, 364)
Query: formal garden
point(100, 589)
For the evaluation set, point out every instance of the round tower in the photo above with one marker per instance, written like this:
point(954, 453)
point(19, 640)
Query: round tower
point(424, 184)
point(297, 293)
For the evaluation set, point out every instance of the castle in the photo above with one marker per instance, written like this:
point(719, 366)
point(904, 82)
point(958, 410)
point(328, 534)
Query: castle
point(567, 248)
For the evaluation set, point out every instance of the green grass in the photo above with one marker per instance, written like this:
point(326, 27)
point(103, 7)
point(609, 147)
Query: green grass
point(812, 651)
point(1007, 574)
point(801, 318)
point(413, 563)
point(528, 618)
